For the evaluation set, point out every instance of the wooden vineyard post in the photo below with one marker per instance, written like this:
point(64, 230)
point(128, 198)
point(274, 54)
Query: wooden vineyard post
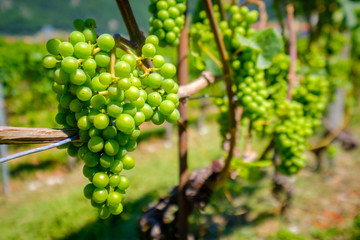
point(3, 147)
point(183, 73)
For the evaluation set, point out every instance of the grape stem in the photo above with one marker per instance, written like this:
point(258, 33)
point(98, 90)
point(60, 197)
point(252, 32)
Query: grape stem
point(227, 74)
point(96, 50)
point(262, 10)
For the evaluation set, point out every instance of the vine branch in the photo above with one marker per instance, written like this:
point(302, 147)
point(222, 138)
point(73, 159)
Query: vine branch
point(227, 74)
point(292, 49)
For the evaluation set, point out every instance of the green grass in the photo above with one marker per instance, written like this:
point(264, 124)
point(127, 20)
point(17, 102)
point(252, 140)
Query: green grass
point(61, 212)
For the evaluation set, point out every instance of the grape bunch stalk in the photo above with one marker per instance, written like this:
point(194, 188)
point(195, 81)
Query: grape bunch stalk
point(106, 91)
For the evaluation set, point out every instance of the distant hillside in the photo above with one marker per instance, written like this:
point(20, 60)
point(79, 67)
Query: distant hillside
point(30, 16)
point(26, 17)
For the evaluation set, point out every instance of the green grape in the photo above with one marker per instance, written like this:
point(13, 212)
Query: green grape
point(61, 77)
point(89, 65)
point(100, 180)
point(116, 210)
point(124, 84)
point(114, 198)
point(158, 61)
point(100, 195)
point(66, 49)
point(96, 144)
point(158, 118)
point(132, 93)
point(124, 182)
point(130, 59)
point(154, 80)
point(166, 107)
point(52, 46)
point(79, 24)
point(125, 123)
point(78, 77)
point(154, 99)
point(102, 59)
point(98, 101)
point(89, 190)
point(148, 50)
point(76, 37)
point(152, 39)
point(101, 121)
point(69, 64)
point(82, 50)
point(106, 42)
point(114, 180)
point(116, 166)
point(49, 62)
point(114, 109)
point(83, 93)
point(111, 147)
point(122, 69)
point(168, 70)
point(90, 35)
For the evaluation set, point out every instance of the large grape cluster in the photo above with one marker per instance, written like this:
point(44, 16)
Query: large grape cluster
point(291, 133)
point(107, 97)
point(167, 21)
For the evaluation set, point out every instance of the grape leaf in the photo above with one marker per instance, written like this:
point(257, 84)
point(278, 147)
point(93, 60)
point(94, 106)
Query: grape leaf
point(271, 45)
point(245, 42)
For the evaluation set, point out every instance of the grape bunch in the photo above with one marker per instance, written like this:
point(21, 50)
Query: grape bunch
point(167, 21)
point(107, 96)
point(291, 133)
point(313, 94)
point(249, 80)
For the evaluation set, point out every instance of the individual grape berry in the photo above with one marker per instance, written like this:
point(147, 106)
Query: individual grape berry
point(100, 195)
point(106, 42)
point(84, 123)
point(116, 166)
point(83, 93)
point(89, 190)
point(82, 50)
point(158, 61)
point(152, 39)
point(158, 118)
point(49, 62)
point(111, 147)
point(96, 144)
point(167, 107)
point(78, 77)
point(102, 59)
point(125, 123)
point(124, 182)
point(114, 180)
point(116, 210)
point(89, 65)
point(52, 46)
point(90, 23)
point(90, 35)
point(132, 93)
point(148, 50)
point(168, 70)
point(66, 49)
point(154, 99)
point(79, 24)
point(114, 198)
point(101, 121)
point(154, 80)
point(105, 78)
point(122, 69)
point(76, 37)
point(69, 64)
point(100, 180)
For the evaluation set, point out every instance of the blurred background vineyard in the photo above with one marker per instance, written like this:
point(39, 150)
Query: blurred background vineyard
point(46, 201)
